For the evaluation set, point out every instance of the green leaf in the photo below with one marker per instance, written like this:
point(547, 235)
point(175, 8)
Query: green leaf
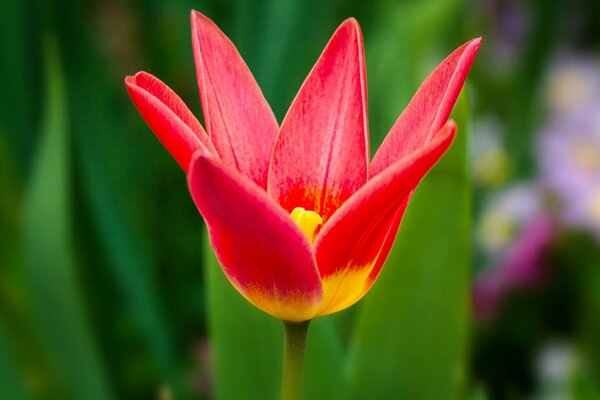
point(411, 332)
point(19, 113)
point(50, 268)
point(112, 166)
point(325, 363)
point(247, 345)
point(11, 382)
point(478, 393)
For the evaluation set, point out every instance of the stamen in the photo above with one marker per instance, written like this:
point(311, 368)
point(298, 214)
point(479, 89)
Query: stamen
point(308, 222)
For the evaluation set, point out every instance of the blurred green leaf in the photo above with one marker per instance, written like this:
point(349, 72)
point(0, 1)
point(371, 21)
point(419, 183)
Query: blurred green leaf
point(50, 268)
point(10, 211)
point(325, 363)
point(588, 380)
point(112, 165)
point(411, 333)
point(583, 386)
point(11, 382)
point(478, 393)
point(18, 101)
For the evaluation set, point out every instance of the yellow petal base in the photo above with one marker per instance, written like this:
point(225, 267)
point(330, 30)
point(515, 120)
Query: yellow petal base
point(343, 289)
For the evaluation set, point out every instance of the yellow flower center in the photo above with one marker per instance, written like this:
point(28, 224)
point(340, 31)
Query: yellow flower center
point(307, 221)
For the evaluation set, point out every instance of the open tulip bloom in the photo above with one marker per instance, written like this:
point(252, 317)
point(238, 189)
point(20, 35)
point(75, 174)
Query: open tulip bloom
point(300, 220)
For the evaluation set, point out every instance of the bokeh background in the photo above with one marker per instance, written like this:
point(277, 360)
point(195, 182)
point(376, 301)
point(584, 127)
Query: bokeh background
point(109, 291)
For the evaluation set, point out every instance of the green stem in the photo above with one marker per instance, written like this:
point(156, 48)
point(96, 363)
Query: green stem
point(293, 358)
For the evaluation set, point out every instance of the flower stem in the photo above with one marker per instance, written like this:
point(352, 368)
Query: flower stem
point(293, 358)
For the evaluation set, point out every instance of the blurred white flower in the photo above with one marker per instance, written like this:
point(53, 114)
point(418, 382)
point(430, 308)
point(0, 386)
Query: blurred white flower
point(555, 365)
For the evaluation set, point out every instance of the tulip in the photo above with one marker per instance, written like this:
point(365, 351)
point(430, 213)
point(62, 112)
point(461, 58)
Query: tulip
point(299, 219)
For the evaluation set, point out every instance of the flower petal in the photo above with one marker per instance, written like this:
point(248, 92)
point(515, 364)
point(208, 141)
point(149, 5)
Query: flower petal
point(321, 154)
point(238, 119)
point(354, 244)
point(261, 250)
point(429, 108)
point(170, 119)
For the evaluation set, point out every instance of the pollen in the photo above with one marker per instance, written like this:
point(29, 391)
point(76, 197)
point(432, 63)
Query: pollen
point(308, 222)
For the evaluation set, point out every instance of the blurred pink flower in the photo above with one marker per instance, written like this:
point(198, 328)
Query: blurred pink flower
point(514, 233)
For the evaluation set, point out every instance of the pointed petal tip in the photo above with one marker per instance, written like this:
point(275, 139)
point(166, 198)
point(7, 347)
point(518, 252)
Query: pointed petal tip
point(474, 44)
point(351, 26)
point(429, 108)
point(351, 22)
point(471, 48)
point(198, 19)
point(196, 15)
point(467, 52)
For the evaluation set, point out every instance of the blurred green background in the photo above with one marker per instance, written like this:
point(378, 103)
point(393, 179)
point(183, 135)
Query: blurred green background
point(108, 289)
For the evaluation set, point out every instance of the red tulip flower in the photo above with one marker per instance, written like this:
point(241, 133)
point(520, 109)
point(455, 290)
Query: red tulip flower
point(299, 218)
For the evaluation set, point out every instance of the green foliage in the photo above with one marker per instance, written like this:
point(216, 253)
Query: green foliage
point(11, 383)
point(57, 305)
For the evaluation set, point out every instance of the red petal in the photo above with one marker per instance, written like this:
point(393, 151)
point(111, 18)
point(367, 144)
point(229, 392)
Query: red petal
point(429, 108)
point(353, 245)
point(238, 119)
point(261, 250)
point(170, 119)
point(321, 154)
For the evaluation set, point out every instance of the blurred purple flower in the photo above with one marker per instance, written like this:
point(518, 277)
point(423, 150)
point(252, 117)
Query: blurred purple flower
point(514, 232)
point(573, 82)
point(568, 148)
